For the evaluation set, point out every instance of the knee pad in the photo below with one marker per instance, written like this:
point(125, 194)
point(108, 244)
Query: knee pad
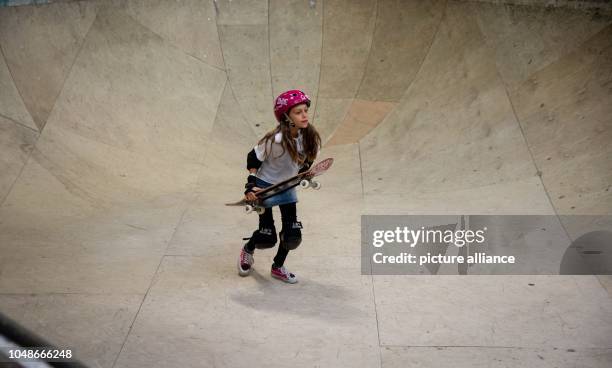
point(291, 235)
point(264, 237)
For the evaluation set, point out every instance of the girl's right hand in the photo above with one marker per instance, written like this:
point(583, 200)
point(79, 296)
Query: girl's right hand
point(250, 196)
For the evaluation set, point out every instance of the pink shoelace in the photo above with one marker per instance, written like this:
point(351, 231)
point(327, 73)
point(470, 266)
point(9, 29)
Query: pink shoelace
point(246, 258)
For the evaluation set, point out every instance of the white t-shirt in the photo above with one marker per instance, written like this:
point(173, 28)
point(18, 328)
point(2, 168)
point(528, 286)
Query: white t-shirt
point(277, 165)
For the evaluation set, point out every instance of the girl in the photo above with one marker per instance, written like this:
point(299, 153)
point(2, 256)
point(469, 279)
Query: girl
point(280, 154)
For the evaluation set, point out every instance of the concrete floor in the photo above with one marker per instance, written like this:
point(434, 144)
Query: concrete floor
point(124, 127)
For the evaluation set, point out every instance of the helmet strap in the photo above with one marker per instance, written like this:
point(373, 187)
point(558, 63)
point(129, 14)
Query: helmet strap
point(289, 121)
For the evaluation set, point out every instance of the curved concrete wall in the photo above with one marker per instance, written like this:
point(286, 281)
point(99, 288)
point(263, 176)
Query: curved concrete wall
point(124, 127)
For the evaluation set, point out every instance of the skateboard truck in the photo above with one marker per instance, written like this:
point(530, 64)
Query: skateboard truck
point(250, 208)
point(310, 184)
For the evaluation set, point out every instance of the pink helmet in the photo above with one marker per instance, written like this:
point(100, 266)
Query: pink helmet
point(286, 100)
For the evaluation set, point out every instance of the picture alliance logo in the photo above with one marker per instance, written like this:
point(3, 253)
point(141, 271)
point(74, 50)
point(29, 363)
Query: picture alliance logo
point(411, 237)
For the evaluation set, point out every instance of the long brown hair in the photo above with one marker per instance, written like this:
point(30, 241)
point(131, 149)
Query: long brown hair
point(311, 141)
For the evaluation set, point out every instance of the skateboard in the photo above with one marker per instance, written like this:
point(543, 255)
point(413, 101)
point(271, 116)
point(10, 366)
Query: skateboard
point(304, 180)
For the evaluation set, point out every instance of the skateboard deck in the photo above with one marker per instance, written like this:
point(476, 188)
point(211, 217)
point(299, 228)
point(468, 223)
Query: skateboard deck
point(304, 179)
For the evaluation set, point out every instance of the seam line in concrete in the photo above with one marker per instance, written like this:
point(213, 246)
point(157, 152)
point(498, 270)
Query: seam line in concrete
point(17, 88)
point(229, 80)
point(153, 279)
point(380, 346)
point(69, 72)
point(19, 123)
point(314, 113)
point(270, 53)
point(30, 294)
point(422, 62)
point(361, 169)
point(520, 126)
point(560, 349)
point(170, 44)
point(27, 160)
point(531, 155)
point(365, 69)
point(10, 189)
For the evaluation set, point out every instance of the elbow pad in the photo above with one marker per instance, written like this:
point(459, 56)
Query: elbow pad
point(250, 184)
point(252, 161)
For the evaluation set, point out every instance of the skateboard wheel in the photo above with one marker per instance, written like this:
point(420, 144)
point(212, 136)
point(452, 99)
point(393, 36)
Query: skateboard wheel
point(260, 210)
point(315, 185)
point(248, 208)
point(304, 183)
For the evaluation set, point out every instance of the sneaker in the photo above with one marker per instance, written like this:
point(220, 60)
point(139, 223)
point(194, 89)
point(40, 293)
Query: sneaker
point(245, 263)
point(281, 273)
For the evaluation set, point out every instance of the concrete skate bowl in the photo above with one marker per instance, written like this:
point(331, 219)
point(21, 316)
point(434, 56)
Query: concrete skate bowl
point(125, 127)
